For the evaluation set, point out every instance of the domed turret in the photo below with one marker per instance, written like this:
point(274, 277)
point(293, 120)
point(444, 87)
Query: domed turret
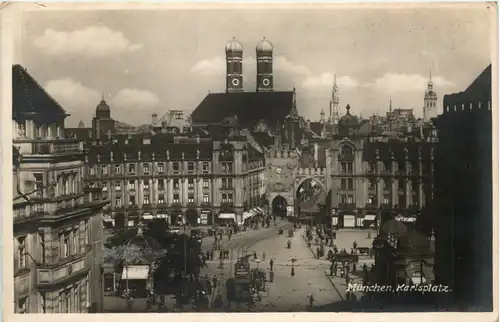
point(264, 46)
point(102, 110)
point(234, 66)
point(348, 120)
point(264, 53)
point(234, 46)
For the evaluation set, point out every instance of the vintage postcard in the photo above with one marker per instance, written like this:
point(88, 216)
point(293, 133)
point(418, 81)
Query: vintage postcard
point(304, 159)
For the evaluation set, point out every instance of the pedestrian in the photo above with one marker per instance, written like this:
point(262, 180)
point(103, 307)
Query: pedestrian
point(263, 255)
point(212, 254)
point(254, 255)
point(214, 281)
point(335, 268)
point(354, 245)
point(271, 263)
point(331, 269)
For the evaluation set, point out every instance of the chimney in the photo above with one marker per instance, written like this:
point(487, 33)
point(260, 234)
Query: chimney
point(154, 118)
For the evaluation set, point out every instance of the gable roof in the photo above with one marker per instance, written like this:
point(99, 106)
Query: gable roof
point(249, 107)
point(30, 99)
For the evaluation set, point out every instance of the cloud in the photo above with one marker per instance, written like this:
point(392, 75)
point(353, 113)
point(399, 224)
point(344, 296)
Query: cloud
point(213, 66)
point(281, 63)
point(135, 99)
point(217, 66)
point(72, 95)
point(326, 80)
point(93, 41)
point(393, 82)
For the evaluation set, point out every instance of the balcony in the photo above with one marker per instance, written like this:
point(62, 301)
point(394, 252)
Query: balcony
point(50, 147)
point(227, 204)
point(206, 204)
point(58, 207)
point(386, 206)
point(371, 206)
point(347, 206)
point(50, 275)
point(346, 157)
point(161, 205)
point(370, 172)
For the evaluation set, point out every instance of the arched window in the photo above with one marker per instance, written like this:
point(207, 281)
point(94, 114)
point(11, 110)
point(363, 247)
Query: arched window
point(346, 150)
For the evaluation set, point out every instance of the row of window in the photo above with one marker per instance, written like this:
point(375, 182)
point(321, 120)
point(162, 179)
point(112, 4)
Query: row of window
point(68, 301)
point(372, 200)
point(227, 167)
point(69, 245)
point(386, 200)
point(348, 184)
point(147, 200)
point(161, 184)
point(225, 198)
point(68, 184)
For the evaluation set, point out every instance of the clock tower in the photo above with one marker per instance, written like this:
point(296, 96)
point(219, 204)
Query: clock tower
point(234, 68)
point(264, 53)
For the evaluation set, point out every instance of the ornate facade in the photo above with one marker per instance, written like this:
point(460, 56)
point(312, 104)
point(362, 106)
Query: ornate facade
point(57, 223)
point(185, 178)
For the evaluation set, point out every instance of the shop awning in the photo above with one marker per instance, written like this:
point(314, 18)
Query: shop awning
point(135, 272)
point(248, 214)
point(147, 217)
point(161, 216)
point(370, 217)
point(406, 219)
point(227, 216)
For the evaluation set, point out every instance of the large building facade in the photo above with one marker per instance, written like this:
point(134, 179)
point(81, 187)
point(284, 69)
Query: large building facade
point(464, 195)
point(186, 178)
point(57, 224)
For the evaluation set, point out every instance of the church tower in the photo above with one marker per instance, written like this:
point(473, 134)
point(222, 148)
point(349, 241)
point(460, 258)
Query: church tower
point(264, 54)
point(430, 100)
point(234, 66)
point(322, 117)
point(334, 103)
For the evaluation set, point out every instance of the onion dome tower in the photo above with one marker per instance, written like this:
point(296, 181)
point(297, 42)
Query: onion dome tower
point(234, 66)
point(264, 53)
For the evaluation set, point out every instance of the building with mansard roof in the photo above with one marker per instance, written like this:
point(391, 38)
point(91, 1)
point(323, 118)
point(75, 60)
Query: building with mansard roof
point(57, 219)
point(187, 178)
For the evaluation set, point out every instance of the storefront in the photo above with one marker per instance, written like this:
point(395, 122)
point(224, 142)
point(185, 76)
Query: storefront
point(206, 217)
point(248, 217)
point(107, 221)
point(120, 220)
point(176, 218)
point(136, 279)
point(228, 218)
point(192, 217)
point(367, 221)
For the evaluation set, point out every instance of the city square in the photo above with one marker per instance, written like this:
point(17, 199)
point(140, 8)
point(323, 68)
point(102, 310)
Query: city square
point(262, 179)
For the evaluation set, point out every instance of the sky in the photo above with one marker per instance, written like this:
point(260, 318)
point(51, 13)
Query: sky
point(152, 61)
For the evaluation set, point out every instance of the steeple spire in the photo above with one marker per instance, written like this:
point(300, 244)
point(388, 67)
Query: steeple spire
point(102, 96)
point(335, 80)
point(430, 74)
point(390, 104)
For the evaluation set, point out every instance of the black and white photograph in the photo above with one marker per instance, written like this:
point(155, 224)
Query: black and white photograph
point(289, 158)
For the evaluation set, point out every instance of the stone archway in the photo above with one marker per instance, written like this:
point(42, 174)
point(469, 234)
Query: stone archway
point(310, 195)
point(279, 206)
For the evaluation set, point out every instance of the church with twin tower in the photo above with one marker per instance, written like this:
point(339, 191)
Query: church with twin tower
point(234, 67)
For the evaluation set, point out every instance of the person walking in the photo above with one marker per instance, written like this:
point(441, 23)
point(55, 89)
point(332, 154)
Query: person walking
point(271, 263)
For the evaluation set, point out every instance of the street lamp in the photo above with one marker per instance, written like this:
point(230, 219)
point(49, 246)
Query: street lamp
point(293, 260)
